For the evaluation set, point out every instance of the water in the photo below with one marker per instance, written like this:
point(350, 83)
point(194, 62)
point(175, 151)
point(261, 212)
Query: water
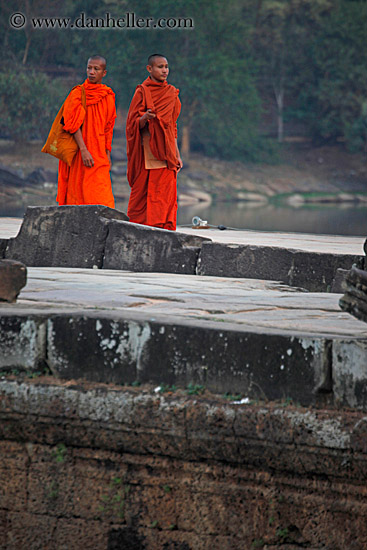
point(329, 220)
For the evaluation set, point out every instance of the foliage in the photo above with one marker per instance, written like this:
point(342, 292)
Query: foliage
point(29, 102)
point(282, 35)
point(335, 102)
point(303, 59)
point(195, 389)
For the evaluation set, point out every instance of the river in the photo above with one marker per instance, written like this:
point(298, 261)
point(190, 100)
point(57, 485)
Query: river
point(330, 220)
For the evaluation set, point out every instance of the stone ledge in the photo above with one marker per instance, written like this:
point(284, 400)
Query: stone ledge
point(190, 428)
point(109, 348)
point(97, 236)
point(313, 271)
point(135, 247)
point(62, 236)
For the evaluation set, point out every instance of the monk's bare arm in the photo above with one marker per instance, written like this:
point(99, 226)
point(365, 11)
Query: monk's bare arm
point(86, 156)
point(148, 115)
point(180, 163)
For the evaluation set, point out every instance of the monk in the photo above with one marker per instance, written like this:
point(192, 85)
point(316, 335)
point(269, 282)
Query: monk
point(152, 152)
point(87, 180)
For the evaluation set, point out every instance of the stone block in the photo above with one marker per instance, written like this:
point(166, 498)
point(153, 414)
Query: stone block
point(136, 247)
point(31, 531)
point(13, 277)
point(354, 301)
point(13, 492)
point(22, 342)
point(97, 349)
point(62, 236)
point(310, 270)
point(339, 279)
point(350, 373)
point(71, 532)
point(261, 366)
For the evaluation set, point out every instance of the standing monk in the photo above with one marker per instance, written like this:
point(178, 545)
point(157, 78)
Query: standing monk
point(152, 151)
point(87, 180)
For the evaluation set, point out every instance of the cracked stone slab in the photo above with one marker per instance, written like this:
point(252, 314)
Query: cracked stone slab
point(106, 349)
point(260, 338)
point(135, 247)
point(66, 236)
point(243, 304)
point(313, 271)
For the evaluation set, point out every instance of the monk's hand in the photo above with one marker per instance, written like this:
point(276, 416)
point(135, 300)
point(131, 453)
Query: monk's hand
point(87, 158)
point(179, 163)
point(148, 115)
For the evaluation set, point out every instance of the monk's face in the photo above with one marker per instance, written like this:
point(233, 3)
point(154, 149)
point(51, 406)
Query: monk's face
point(159, 70)
point(96, 70)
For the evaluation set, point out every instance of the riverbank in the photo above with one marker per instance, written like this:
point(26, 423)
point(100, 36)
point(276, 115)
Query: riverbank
point(304, 174)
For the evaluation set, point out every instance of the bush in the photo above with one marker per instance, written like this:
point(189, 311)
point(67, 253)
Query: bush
point(29, 101)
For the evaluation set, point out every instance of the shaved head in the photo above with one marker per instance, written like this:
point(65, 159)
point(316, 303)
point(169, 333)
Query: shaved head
point(99, 58)
point(152, 58)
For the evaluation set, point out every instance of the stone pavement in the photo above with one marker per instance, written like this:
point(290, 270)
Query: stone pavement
point(327, 244)
point(261, 338)
point(240, 304)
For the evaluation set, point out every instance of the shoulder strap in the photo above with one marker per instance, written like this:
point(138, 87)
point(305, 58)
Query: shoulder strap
point(84, 99)
point(84, 102)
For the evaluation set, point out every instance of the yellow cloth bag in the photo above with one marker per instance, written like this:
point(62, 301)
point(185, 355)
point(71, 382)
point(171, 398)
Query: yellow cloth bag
point(61, 144)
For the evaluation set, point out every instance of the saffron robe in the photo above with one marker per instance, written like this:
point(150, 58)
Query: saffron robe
point(153, 197)
point(79, 184)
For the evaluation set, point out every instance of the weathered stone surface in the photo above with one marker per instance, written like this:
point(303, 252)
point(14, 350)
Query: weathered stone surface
point(350, 373)
point(69, 236)
point(354, 300)
point(22, 342)
point(338, 282)
point(13, 277)
point(107, 467)
point(260, 366)
point(312, 271)
point(139, 248)
point(259, 338)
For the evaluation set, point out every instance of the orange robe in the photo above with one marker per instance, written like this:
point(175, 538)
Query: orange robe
point(153, 197)
point(79, 184)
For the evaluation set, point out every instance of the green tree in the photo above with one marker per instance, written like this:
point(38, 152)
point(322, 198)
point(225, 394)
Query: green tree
point(281, 38)
point(29, 102)
point(334, 101)
point(210, 63)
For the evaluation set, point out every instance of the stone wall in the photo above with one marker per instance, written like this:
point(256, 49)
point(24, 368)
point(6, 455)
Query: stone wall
point(96, 236)
point(107, 467)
